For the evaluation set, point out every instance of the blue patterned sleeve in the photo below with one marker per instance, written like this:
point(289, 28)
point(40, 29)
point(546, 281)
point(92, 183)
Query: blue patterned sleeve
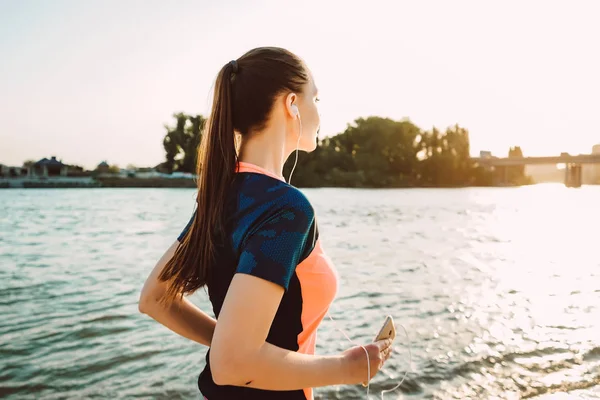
point(186, 229)
point(273, 249)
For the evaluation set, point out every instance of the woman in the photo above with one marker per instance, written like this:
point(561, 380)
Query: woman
point(254, 242)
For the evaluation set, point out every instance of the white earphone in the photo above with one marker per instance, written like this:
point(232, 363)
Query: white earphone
point(296, 111)
point(297, 114)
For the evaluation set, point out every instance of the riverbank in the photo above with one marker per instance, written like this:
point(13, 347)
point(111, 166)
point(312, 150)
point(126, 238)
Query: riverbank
point(90, 182)
point(147, 183)
point(116, 182)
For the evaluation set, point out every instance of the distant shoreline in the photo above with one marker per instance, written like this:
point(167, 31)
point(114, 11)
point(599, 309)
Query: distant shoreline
point(132, 182)
point(104, 182)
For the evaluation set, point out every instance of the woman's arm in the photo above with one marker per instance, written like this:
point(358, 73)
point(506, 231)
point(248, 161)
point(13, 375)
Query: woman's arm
point(240, 355)
point(182, 317)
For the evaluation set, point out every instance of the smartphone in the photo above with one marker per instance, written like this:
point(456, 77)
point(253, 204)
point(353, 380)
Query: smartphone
point(387, 331)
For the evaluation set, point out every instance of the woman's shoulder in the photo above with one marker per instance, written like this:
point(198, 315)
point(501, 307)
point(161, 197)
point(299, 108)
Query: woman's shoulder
point(295, 198)
point(274, 194)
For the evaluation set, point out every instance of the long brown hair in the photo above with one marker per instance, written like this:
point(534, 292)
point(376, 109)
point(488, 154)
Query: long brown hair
point(244, 93)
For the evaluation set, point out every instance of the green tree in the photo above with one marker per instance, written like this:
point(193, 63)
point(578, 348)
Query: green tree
point(181, 142)
point(516, 174)
point(445, 158)
point(28, 163)
point(191, 141)
point(370, 152)
point(173, 139)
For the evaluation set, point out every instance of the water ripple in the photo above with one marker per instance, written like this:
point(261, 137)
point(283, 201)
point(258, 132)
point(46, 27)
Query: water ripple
point(496, 304)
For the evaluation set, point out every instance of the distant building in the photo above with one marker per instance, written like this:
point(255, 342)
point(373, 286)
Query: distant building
point(45, 173)
point(485, 154)
point(103, 167)
point(12, 172)
point(148, 172)
point(48, 168)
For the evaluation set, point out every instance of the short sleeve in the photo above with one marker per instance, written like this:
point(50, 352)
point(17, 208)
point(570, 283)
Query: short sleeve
point(187, 228)
point(275, 247)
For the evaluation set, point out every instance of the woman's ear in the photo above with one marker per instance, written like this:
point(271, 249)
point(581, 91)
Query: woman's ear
point(291, 105)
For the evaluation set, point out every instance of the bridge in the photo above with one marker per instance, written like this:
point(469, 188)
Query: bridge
point(572, 164)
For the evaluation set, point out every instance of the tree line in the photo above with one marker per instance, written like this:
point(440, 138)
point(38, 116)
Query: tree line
point(371, 152)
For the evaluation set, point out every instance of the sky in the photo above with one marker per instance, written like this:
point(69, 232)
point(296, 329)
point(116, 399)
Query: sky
point(88, 81)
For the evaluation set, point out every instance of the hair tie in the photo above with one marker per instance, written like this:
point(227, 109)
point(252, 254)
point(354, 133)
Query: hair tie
point(234, 66)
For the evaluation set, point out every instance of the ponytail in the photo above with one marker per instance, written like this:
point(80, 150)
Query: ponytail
point(189, 268)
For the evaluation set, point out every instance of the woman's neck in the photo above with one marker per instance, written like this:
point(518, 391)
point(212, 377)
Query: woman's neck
point(266, 150)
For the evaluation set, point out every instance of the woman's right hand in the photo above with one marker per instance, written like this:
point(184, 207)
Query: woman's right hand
point(356, 360)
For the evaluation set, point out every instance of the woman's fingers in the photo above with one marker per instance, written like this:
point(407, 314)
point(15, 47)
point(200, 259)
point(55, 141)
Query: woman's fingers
point(386, 353)
point(383, 344)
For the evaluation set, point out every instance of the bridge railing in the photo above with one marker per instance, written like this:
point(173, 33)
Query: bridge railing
point(514, 161)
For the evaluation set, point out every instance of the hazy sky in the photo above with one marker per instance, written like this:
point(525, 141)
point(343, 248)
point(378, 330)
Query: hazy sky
point(88, 81)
